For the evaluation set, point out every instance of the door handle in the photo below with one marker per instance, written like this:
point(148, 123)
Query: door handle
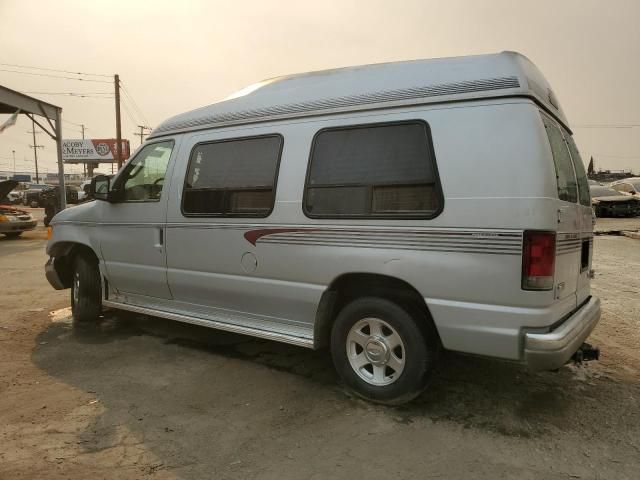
point(159, 238)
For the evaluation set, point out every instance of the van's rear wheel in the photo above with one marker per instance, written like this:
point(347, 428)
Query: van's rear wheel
point(86, 291)
point(381, 352)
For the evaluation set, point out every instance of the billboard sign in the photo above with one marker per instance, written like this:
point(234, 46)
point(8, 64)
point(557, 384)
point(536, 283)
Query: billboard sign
point(93, 150)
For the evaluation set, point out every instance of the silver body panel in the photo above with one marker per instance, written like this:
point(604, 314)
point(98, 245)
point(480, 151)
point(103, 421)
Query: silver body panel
point(265, 277)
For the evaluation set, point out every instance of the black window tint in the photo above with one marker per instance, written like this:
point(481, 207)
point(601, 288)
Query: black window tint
point(581, 174)
point(567, 188)
point(233, 177)
point(373, 170)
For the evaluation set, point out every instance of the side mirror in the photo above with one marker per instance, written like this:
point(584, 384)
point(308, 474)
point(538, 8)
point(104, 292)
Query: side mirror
point(100, 188)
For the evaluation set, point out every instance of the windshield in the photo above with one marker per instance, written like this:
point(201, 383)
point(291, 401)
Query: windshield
point(36, 186)
point(636, 184)
point(597, 191)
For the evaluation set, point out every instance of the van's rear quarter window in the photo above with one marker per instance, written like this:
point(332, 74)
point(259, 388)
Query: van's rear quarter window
point(374, 170)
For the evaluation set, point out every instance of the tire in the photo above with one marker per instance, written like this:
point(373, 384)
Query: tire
point(86, 290)
point(13, 234)
point(370, 360)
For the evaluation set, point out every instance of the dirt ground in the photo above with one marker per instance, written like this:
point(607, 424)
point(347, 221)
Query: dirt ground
point(137, 397)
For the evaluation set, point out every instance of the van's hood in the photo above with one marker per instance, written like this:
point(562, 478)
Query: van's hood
point(82, 212)
point(6, 186)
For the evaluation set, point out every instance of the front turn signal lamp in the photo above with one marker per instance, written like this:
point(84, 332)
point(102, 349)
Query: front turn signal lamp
point(49, 232)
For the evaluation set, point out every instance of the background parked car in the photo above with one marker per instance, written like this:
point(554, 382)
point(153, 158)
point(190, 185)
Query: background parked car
point(628, 186)
point(607, 202)
point(13, 221)
point(33, 197)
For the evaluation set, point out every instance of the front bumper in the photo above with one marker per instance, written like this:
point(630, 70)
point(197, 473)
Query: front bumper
point(17, 226)
point(52, 275)
point(551, 350)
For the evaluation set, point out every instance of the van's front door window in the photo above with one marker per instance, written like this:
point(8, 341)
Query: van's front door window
point(143, 177)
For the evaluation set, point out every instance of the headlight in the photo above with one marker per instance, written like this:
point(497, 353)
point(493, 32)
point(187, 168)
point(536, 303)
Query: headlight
point(7, 218)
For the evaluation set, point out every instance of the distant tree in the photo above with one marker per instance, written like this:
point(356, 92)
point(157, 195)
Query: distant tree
point(590, 168)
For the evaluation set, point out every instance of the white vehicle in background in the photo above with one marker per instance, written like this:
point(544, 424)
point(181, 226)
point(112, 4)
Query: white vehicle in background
point(386, 211)
point(83, 192)
point(15, 196)
point(628, 186)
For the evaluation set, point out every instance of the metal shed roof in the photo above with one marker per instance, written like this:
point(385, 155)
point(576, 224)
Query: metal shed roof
point(12, 101)
point(368, 87)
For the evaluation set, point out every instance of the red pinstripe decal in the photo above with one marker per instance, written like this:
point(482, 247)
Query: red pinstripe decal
point(252, 236)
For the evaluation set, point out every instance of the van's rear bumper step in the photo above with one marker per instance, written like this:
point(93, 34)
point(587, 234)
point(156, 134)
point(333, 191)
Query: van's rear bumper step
point(551, 350)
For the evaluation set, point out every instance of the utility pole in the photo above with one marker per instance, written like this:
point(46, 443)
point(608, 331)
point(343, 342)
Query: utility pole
point(116, 80)
point(35, 147)
point(14, 163)
point(142, 134)
point(84, 164)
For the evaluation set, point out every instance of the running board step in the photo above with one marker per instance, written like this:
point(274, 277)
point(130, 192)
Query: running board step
point(227, 327)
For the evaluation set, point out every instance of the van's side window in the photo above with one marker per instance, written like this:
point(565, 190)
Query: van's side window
point(143, 177)
point(567, 187)
point(581, 174)
point(232, 177)
point(378, 170)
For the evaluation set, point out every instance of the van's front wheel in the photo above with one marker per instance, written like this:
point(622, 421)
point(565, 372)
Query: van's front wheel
point(86, 291)
point(380, 351)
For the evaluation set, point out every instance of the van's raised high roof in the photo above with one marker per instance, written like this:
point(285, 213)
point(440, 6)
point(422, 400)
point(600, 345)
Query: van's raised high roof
point(367, 87)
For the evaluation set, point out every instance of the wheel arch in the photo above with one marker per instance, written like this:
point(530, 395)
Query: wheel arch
point(349, 286)
point(65, 253)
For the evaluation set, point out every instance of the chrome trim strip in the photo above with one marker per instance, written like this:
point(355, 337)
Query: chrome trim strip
point(279, 337)
point(449, 248)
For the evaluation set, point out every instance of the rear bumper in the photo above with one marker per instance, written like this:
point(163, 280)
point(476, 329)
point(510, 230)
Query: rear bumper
point(551, 350)
point(52, 275)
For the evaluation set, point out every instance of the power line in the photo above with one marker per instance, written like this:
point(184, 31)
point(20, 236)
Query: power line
point(54, 76)
point(55, 70)
point(72, 123)
point(135, 105)
point(128, 112)
point(81, 95)
point(71, 93)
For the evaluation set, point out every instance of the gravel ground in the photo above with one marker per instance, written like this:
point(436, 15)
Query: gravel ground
point(138, 397)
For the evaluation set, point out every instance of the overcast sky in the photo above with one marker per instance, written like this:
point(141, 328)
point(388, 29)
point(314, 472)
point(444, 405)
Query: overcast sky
point(174, 56)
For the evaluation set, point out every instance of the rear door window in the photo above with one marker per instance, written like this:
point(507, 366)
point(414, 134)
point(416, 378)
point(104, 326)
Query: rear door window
point(565, 175)
point(581, 174)
point(375, 170)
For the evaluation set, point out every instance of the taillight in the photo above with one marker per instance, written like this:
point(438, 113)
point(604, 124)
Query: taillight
point(538, 260)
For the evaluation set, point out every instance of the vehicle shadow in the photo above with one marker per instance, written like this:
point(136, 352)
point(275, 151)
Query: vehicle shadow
point(160, 377)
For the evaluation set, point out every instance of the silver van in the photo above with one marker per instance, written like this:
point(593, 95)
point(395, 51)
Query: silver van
point(386, 211)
